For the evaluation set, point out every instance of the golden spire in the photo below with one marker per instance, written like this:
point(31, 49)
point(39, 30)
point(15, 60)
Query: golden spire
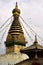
point(35, 38)
point(16, 7)
point(16, 11)
point(35, 42)
point(15, 34)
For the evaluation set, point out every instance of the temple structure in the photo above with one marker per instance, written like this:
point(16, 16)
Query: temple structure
point(35, 53)
point(15, 42)
point(15, 35)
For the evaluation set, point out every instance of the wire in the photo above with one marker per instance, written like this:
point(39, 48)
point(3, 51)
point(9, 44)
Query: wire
point(27, 32)
point(31, 28)
point(6, 26)
point(5, 30)
point(27, 25)
point(3, 35)
point(5, 22)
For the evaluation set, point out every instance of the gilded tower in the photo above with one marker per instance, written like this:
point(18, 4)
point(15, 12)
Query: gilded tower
point(15, 34)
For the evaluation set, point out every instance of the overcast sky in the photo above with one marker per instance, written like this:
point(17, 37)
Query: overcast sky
point(31, 11)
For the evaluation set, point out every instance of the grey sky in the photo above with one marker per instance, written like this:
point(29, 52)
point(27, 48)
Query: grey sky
point(29, 9)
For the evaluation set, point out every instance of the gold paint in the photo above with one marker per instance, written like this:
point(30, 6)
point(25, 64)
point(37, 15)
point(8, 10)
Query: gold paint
point(16, 13)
